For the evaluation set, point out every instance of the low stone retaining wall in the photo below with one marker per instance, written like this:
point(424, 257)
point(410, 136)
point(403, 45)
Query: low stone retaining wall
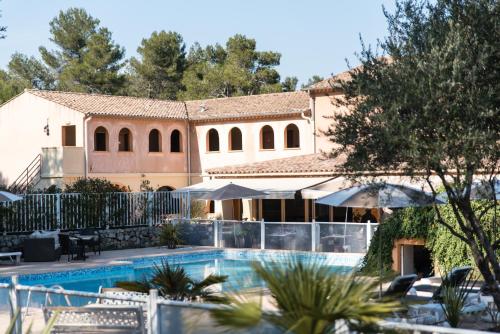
point(116, 238)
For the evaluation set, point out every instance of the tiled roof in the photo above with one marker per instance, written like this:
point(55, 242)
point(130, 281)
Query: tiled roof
point(252, 106)
point(241, 107)
point(310, 163)
point(332, 82)
point(117, 106)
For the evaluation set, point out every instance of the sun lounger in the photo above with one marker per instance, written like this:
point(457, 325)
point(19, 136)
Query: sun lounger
point(111, 319)
point(455, 278)
point(114, 292)
point(400, 286)
point(13, 256)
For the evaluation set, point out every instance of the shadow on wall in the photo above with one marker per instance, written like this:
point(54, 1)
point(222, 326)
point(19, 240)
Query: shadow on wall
point(195, 152)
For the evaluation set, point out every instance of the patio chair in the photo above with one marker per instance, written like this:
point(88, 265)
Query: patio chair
point(107, 319)
point(455, 277)
point(95, 244)
point(68, 247)
point(400, 286)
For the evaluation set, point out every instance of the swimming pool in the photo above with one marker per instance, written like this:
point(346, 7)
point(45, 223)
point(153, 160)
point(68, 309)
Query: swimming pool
point(234, 263)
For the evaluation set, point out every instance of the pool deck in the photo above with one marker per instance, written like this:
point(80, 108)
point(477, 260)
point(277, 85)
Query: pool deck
point(105, 259)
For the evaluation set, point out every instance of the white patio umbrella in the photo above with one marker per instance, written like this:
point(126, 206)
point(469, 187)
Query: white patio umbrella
point(6, 196)
point(379, 195)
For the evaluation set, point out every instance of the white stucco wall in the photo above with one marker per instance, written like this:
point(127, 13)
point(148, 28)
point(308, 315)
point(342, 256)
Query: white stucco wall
point(251, 152)
point(22, 135)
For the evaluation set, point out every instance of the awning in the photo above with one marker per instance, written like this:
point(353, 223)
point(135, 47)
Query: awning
point(276, 188)
point(340, 183)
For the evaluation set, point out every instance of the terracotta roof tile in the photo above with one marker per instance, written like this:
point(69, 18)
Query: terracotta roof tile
point(118, 106)
point(263, 105)
point(252, 106)
point(310, 163)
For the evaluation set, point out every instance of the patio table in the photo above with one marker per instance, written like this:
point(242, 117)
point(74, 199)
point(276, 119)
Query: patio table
point(81, 241)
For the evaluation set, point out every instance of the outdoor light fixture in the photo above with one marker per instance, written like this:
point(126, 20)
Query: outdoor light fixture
point(46, 128)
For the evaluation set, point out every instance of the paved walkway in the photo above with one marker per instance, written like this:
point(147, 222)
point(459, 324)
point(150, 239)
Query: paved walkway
point(106, 258)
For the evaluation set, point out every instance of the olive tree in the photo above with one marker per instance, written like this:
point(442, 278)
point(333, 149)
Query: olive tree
point(428, 105)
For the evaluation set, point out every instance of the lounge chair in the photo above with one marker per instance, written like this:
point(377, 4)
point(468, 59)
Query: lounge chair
point(114, 292)
point(400, 286)
point(455, 277)
point(107, 319)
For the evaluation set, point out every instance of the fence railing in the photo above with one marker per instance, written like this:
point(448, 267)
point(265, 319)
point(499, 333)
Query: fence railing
point(73, 211)
point(161, 315)
point(338, 237)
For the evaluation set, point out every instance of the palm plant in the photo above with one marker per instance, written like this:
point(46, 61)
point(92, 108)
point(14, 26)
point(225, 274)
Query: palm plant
point(174, 283)
point(454, 299)
point(169, 236)
point(309, 298)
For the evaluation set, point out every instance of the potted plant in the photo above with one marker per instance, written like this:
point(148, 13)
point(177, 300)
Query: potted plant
point(169, 236)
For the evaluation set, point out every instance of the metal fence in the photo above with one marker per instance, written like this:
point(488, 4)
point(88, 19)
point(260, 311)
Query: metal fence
point(75, 211)
point(316, 237)
point(160, 315)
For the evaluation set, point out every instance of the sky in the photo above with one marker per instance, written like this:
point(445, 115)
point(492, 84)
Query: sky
point(314, 37)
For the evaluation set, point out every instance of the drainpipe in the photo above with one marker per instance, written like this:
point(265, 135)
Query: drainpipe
point(188, 158)
point(312, 106)
point(86, 118)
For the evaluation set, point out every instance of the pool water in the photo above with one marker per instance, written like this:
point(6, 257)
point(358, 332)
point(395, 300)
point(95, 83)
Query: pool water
point(236, 264)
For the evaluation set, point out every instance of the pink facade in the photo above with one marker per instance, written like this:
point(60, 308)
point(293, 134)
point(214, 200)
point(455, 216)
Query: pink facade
point(139, 159)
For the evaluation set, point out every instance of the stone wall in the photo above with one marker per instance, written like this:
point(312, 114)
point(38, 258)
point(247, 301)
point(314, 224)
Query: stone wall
point(119, 238)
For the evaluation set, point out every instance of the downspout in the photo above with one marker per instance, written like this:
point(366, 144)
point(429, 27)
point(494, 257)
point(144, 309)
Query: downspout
point(86, 118)
point(312, 105)
point(188, 157)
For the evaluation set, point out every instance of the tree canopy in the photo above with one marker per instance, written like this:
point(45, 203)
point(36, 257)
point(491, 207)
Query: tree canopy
point(86, 59)
point(236, 69)
point(159, 70)
point(431, 106)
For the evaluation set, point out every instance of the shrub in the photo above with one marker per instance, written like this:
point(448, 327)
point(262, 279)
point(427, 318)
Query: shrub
point(169, 236)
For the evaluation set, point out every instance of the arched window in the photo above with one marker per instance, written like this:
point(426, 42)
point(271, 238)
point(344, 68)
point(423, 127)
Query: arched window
point(125, 140)
point(292, 137)
point(154, 141)
point(165, 188)
point(175, 141)
point(101, 139)
point(212, 140)
point(267, 138)
point(235, 141)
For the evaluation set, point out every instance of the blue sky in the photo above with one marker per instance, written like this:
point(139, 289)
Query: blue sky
point(314, 37)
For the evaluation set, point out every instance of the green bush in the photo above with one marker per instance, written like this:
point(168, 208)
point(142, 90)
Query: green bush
point(447, 251)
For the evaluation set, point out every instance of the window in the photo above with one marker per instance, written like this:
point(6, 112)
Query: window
point(165, 188)
point(267, 138)
point(175, 141)
point(125, 140)
point(212, 140)
point(69, 135)
point(154, 141)
point(235, 141)
point(292, 137)
point(101, 139)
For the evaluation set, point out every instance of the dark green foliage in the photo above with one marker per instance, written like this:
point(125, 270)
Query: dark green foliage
point(159, 70)
point(93, 186)
point(169, 236)
point(289, 84)
point(87, 59)
point(312, 80)
point(30, 72)
point(236, 69)
point(174, 283)
point(411, 223)
point(309, 298)
point(432, 108)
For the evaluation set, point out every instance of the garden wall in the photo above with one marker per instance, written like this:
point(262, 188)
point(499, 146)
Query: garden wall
point(116, 238)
